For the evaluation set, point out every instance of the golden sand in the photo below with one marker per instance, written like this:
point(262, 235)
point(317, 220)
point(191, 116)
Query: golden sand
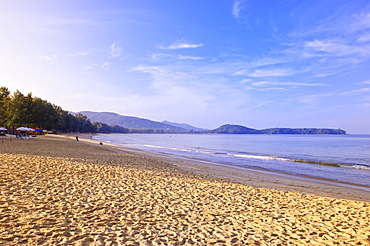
point(56, 191)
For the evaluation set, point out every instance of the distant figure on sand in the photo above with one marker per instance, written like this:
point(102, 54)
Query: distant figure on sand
point(77, 138)
point(101, 143)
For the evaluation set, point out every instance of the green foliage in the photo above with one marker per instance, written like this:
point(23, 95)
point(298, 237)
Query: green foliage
point(16, 108)
point(105, 128)
point(42, 114)
point(4, 98)
point(20, 110)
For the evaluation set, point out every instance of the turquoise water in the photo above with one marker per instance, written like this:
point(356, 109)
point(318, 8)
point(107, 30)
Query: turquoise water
point(344, 158)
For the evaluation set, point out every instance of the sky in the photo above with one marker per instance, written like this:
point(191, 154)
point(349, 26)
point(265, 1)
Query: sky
point(257, 63)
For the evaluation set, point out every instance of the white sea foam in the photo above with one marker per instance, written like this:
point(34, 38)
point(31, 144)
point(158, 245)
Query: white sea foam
point(357, 167)
point(161, 147)
point(261, 157)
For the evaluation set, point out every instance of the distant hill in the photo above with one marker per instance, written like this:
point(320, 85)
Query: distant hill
point(171, 127)
point(236, 129)
point(129, 121)
point(185, 126)
point(302, 131)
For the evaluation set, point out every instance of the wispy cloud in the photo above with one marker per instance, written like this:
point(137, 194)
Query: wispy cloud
point(241, 72)
point(188, 88)
point(334, 47)
point(48, 57)
point(360, 21)
point(181, 44)
point(364, 38)
point(106, 66)
point(330, 45)
point(84, 53)
point(270, 73)
point(268, 83)
point(273, 89)
point(355, 92)
point(366, 82)
point(313, 98)
point(160, 56)
point(190, 57)
point(115, 49)
point(237, 7)
point(144, 69)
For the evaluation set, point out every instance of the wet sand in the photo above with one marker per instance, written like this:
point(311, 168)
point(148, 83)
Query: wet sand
point(56, 190)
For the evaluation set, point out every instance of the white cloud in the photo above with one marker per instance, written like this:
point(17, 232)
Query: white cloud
point(355, 92)
point(324, 74)
point(106, 65)
point(241, 72)
point(184, 90)
point(159, 56)
point(273, 89)
point(190, 57)
point(144, 69)
point(245, 81)
point(360, 21)
point(333, 46)
point(115, 50)
point(314, 98)
point(48, 58)
point(181, 44)
point(270, 73)
point(83, 53)
point(366, 82)
point(364, 38)
point(237, 7)
point(267, 83)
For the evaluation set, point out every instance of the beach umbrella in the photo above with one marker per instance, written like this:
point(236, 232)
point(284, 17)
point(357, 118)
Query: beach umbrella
point(22, 129)
point(25, 129)
point(3, 129)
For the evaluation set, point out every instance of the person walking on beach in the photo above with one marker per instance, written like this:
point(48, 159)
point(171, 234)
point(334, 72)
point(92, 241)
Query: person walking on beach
point(77, 138)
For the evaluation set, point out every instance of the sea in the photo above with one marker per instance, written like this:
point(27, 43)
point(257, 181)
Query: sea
point(340, 158)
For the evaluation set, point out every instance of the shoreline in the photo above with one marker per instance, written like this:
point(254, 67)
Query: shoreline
point(252, 176)
point(56, 190)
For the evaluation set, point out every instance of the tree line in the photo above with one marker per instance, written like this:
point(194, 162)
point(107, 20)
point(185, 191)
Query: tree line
point(17, 109)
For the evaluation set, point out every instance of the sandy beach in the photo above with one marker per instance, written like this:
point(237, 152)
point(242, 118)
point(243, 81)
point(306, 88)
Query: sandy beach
point(59, 191)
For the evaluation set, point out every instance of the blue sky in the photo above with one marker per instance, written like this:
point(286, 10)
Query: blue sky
point(256, 63)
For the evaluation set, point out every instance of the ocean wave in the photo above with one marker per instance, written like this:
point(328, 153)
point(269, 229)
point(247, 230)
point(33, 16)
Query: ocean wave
point(262, 157)
point(162, 147)
point(185, 150)
point(361, 167)
point(277, 158)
